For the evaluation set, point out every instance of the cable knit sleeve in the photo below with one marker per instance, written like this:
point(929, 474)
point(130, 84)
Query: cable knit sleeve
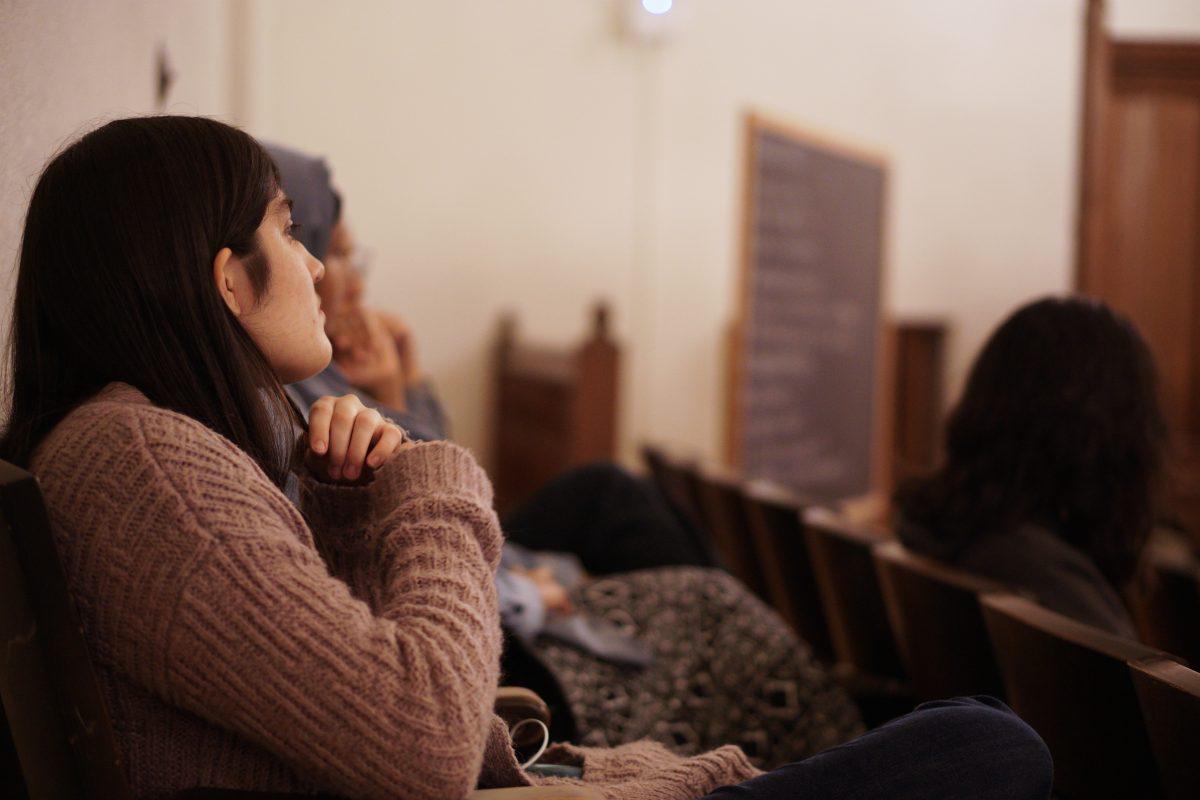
point(221, 605)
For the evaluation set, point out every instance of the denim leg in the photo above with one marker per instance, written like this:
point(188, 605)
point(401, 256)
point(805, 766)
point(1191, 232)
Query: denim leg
point(973, 748)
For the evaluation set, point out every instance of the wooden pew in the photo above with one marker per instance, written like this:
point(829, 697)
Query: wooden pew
point(723, 512)
point(1169, 695)
point(775, 518)
point(938, 624)
point(677, 478)
point(1166, 598)
point(868, 662)
point(1072, 683)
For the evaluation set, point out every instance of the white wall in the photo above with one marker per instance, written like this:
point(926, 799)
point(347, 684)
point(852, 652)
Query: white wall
point(521, 155)
point(1165, 19)
point(485, 152)
point(67, 67)
point(974, 104)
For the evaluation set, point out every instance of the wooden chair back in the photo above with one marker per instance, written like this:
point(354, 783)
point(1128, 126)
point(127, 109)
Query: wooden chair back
point(723, 512)
point(1071, 682)
point(678, 480)
point(844, 569)
point(938, 623)
point(59, 722)
point(1169, 695)
point(775, 519)
point(1166, 600)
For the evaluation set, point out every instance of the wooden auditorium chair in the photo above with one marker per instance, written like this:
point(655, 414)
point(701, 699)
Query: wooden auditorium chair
point(723, 515)
point(776, 522)
point(938, 623)
point(1169, 695)
point(677, 479)
point(1072, 683)
point(57, 716)
point(868, 662)
point(1166, 599)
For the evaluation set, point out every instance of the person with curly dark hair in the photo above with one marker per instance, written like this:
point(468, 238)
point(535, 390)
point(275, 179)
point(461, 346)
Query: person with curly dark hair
point(1052, 466)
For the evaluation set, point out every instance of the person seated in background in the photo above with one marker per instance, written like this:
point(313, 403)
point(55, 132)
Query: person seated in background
point(1052, 462)
point(686, 656)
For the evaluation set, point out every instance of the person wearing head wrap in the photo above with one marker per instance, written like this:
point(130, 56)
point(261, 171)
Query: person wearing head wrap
point(317, 212)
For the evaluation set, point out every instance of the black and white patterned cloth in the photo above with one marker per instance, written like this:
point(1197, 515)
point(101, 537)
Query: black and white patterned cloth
point(726, 670)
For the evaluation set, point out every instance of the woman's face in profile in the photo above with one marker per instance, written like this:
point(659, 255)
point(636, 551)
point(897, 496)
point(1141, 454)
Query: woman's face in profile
point(286, 320)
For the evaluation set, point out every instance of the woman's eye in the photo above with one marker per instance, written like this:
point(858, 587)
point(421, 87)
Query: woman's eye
point(292, 229)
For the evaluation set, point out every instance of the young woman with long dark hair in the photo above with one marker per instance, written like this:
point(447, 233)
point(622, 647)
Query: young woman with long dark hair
point(161, 301)
point(1053, 459)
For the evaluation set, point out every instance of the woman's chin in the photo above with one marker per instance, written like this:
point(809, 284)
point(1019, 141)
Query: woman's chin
point(303, 369)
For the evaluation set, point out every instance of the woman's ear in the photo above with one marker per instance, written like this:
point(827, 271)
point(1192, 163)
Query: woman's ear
point(225, 267)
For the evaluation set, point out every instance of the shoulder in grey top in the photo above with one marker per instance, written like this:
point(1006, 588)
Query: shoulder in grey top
point(1035, 561)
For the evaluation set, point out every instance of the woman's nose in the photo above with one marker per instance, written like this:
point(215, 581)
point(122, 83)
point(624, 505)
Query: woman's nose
point(317, 268)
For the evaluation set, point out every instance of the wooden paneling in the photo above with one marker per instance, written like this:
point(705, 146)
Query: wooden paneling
point(919, 367)
point(1139, 226)
point(1149, 268)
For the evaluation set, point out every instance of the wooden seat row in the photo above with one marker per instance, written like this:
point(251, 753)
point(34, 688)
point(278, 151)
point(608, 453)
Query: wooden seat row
point(1121, 719)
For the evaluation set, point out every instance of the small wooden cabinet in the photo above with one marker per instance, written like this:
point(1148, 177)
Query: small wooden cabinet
point(555, 408)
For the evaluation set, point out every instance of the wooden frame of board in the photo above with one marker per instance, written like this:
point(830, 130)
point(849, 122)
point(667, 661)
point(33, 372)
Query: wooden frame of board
point(754, 123)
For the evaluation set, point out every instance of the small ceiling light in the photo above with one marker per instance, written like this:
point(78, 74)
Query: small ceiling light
point(649, 22)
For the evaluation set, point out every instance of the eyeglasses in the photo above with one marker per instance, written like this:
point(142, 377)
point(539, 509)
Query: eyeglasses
point(361, 260)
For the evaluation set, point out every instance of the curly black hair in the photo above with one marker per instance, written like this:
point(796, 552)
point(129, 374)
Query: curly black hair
point(1059, 425)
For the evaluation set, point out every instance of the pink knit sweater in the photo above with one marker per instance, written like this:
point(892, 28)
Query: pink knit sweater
point(240, 646)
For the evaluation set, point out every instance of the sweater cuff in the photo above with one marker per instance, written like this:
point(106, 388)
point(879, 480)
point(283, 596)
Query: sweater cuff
point(421, 471)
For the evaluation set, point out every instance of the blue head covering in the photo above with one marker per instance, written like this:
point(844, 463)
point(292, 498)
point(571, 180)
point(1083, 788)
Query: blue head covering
point(316, 206)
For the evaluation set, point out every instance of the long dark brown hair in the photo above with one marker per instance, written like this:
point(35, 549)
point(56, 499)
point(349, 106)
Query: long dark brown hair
point(1059, 425)
point(115, 283)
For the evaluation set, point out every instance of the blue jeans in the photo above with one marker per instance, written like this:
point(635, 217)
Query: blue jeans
point(973, 748)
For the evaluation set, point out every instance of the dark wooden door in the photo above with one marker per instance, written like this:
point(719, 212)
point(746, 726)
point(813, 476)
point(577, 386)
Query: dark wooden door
point(1139, 236)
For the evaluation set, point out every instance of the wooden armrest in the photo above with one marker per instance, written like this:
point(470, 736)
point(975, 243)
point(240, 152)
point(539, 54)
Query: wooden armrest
point(514, 703)
point(537, 793)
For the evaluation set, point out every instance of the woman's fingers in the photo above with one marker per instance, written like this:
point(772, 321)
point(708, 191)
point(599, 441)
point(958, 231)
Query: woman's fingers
point(345, 412)
point(367, 427)
point(386, 446)
point(347, 438)
point(320, 417)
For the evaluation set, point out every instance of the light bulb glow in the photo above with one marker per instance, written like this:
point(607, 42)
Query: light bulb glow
point(657, 6)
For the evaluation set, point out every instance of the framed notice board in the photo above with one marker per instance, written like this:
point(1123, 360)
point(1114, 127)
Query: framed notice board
point(806, 402)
